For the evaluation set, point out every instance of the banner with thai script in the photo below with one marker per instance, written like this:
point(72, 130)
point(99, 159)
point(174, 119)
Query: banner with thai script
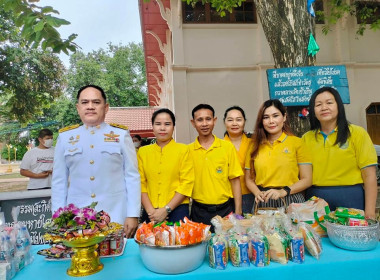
point(34, 213)
point(294, 86)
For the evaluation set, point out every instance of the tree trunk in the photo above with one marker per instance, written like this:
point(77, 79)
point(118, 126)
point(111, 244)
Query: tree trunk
point(287, 26)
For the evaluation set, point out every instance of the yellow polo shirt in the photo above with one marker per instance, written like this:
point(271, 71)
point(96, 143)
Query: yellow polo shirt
point(340, 166)
point(166, 171)
point(213, 170)
point(277, 165)
point(242, 153)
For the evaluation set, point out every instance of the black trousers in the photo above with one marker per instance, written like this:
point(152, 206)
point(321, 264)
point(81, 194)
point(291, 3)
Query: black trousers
point(203, 213)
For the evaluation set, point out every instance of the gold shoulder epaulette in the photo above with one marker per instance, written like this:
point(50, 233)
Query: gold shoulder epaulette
point(67, 128)
point(119, 126)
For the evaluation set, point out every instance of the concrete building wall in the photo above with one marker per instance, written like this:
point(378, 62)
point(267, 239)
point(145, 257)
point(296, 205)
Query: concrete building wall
point(225, 65)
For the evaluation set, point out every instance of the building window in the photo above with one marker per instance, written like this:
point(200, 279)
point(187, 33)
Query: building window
point(367, 12)
point(318, 9)
point(200, 13)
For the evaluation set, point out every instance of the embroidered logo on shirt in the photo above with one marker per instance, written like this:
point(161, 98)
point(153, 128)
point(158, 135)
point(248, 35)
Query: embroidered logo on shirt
point(73, 141)
point(286, 151)
point(219, 170)
point(111, 137)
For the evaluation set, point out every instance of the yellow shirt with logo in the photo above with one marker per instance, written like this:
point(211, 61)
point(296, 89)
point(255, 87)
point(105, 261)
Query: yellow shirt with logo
point(166, 171)
point(213, 170)
point(242, 153)
point(340, 166)
point(277, 165)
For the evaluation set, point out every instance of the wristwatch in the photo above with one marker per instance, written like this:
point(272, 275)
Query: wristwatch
point(168, 209)
point(287, 189)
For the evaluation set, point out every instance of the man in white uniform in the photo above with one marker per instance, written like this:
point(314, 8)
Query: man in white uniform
point(96, 162)
point(37, 163)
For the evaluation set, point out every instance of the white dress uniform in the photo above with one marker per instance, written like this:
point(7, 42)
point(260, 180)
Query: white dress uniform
point(97, 164)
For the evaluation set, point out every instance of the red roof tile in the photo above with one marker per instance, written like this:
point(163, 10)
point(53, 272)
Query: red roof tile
point(138, 119)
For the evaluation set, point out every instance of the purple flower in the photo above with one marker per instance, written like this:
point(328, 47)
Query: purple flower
point(89, 213)
point(80, 219)
point(72, 208)
point(58, 213)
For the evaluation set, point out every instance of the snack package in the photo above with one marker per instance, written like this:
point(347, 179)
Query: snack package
point(312, 212)
point(278, 243)
point(239, 249)
point(259, 245)
point(312, 241)
point(343, 212)
point(218, 247)
point(352, 222)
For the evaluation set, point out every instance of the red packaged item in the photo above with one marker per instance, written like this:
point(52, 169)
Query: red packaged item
point(104, 247)
point(352, 222)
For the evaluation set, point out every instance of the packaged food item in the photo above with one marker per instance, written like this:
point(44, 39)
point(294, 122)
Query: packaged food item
point(278, 243)
point(312, 212)
point(218, 247)
point(357, 222)
point(116, 244)
point(297, 249)
point(104, 247)
point(312, 242)
point(260, 251)
point(343, 212)
point(239, 249)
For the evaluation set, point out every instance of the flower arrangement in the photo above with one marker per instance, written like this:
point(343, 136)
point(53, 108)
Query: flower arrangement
point(72, 221)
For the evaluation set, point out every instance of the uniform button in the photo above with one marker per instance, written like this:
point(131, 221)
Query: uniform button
point(92, 178)
point(91, 146)
point(159, 172)
point(91, 162)
point(92, 132)
point(93, 195)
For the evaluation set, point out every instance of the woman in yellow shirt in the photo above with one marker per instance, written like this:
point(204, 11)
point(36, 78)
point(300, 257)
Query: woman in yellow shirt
point(167, 173)
point(234, 121)
point(343, 156)
point(278, 164)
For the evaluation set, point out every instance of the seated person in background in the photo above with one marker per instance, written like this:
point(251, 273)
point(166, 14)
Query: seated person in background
point(167, 173)
point(217, 170)
point(278, 164)
point(343, 156)
point(37, 163)
point(234, 121)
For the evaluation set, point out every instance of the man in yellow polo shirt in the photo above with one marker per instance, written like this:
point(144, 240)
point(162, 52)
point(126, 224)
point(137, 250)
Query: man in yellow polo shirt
point(217, 170)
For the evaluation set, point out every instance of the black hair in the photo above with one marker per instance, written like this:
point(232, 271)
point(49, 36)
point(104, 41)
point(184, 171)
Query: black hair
point(93, 86)
point(45, 132)
point(163, 110)
point(235, 107)
point(202, 106)
point(137, 136)
point(342, 122)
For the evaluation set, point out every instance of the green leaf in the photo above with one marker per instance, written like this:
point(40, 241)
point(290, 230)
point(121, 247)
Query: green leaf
point(39, 26)
point(47, 9)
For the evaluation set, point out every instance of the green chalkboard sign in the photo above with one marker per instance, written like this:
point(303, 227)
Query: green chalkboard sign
point(34, 213)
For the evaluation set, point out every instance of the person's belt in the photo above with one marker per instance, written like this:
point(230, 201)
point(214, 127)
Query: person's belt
point(213, 207)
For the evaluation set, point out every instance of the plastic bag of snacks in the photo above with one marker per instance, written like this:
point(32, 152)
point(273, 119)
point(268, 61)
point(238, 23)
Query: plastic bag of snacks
point(311, 212)
point(259, 245)
point(218, 247)
point(312, 241)
point(238, 244)
point(278, 242)
point(244, 222)
point(296, 247)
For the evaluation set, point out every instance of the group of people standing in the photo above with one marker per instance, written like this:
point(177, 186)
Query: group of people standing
point(336, 161)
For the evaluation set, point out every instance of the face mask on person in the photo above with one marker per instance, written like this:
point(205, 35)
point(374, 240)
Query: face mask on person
point(48, 143)
point(137, 144)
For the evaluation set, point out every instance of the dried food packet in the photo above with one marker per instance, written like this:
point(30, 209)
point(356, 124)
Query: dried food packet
point(218, 247)
point(312, 242)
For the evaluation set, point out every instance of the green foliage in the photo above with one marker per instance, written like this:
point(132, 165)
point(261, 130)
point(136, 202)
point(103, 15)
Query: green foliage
point(30, 80)
point(38, 26)
point(21, 150)
point(119, 70)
